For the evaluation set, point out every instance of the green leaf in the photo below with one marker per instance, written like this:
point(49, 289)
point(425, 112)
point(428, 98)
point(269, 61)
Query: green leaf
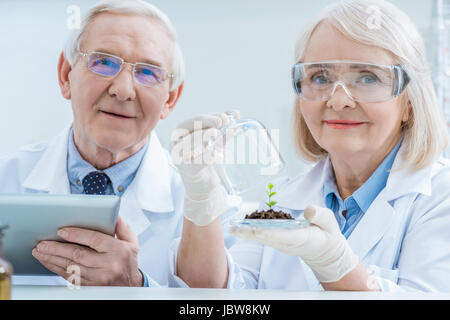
point(268, 204)
point(272, 203)
point(270, 186)
point(271, 194)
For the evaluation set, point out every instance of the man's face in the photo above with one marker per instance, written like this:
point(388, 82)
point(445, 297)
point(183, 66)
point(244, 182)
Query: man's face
point(117, 113)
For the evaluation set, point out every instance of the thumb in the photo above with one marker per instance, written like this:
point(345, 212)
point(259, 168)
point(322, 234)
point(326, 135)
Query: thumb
point(322, 217)
point(124, 232)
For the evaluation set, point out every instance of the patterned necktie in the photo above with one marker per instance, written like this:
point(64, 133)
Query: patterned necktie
point(95, 182)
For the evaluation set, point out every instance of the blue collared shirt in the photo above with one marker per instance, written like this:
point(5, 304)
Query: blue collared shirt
point(359, 202)
point(120, 174)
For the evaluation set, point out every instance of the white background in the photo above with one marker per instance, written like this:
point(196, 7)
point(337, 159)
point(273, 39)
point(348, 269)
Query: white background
point(238, 54)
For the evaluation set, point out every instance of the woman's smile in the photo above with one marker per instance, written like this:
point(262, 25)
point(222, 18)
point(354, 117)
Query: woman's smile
point(343, 124)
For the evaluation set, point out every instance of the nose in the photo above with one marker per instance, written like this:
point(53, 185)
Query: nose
point(123, 86)
point(340, 98)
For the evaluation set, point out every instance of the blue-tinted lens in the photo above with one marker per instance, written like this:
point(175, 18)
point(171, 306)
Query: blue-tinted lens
point(104, 65)
point(148, 75)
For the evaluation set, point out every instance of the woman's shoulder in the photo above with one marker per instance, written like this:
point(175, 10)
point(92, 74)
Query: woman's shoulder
point(437, 202)
point(440, 173)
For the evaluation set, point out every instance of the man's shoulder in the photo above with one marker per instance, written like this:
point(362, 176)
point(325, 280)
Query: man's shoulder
point(26, 152)
point(15, 166)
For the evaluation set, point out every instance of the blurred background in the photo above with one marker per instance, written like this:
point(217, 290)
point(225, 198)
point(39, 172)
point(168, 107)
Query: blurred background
point(228, 47)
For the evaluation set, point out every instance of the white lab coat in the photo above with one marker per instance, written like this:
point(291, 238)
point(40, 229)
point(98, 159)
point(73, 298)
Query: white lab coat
point(403, 238)
point(152, 205)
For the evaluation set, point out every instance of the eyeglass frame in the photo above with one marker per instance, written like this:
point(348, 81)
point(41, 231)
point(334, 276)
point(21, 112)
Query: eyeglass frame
point(169, 75)
point(402, 75)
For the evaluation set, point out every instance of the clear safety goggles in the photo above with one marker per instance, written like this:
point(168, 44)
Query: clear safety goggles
point(363, 82)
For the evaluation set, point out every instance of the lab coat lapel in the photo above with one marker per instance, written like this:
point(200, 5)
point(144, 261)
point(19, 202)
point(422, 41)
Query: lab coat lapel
point(150, 192)
point(305, 191)
point(301, 193)
point(379, 217)
point(50, 172)
point(372, 226)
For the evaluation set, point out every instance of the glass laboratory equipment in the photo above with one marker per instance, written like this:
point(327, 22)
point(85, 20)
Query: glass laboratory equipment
point(249, 156)
point(5, 272)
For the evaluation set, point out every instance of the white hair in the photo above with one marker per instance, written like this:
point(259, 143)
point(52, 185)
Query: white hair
point(135, 7)
point(425, 133)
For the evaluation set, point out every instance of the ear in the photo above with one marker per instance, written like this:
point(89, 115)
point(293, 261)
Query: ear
point(64, 69)
point(407, 112)
point(174, 95)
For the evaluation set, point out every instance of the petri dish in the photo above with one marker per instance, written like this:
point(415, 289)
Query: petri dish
point(271, 223)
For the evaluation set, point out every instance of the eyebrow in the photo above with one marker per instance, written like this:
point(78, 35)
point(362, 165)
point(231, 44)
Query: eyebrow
point(146, 61)
point(352, 66)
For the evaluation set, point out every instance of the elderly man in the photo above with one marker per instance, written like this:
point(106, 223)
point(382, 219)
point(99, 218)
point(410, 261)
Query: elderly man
point(123, 72)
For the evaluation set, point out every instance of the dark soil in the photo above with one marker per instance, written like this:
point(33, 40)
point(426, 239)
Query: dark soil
point(268, 214)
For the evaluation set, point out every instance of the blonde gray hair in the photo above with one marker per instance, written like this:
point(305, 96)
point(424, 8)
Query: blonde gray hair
point(134, 7)
point(425, 133)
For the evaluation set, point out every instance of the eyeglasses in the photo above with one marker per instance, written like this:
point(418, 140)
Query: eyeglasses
point(363, 82)
point(107, 65)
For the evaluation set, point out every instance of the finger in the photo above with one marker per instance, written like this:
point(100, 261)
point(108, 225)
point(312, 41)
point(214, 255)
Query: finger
point(124, 232)
point(193, 146)
point(60, 271)
point(322, 217)
point(98, 241)
point(236, 114)
point(60, 262)
point(69, 275)
point(73, 252)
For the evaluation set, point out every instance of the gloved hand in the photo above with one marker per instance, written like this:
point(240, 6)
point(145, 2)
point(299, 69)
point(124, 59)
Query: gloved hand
point(321, 245)
point(194, 156)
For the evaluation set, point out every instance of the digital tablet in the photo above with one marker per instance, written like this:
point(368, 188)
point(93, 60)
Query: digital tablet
point(35, 217)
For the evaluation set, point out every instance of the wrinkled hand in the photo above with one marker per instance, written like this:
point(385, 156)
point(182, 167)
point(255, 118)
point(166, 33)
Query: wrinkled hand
point(321, 245)
point(194, 154)
point(102, 260)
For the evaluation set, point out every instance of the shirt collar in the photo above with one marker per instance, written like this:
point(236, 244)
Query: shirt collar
point(120, 174)
point(366, 194)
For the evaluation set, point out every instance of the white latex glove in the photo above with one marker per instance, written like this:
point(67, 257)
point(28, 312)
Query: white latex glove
point(321, 245)
point(204, 194)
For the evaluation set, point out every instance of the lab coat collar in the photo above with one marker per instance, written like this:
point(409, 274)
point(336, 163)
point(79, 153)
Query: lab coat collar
point(50, 172)
point(406, 181)
point(301, 192)
point(150, 191)
point(152, 184)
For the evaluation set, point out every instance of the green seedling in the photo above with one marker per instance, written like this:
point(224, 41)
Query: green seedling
point(270, 194)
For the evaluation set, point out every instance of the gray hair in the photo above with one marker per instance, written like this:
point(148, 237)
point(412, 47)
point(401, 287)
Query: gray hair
point(135, 7)
point(425, 133)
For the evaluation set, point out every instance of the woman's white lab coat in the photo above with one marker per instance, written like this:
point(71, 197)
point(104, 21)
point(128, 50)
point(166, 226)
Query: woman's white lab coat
point(403, 238)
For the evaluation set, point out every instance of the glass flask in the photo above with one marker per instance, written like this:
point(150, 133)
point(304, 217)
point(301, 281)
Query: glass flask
point(5, 271)
point(248, 155)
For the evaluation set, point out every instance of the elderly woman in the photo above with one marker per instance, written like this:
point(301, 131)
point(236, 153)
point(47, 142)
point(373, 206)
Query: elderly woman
point(378, 200)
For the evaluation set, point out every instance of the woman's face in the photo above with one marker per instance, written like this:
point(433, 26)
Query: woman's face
point(342, 126)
